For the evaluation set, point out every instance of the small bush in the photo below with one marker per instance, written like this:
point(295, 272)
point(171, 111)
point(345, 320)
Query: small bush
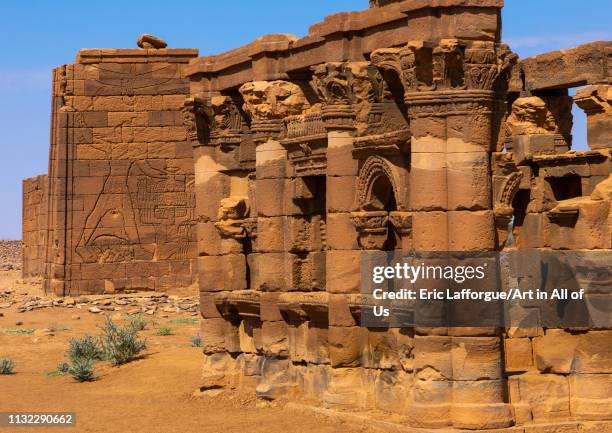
point(185, 321)
point(163, 331)
point(6, 366)
point(120, 345)
point(87, 347)
point(18, 331)
point(63, 367)
point(196, 341)
point(138, 323)
point(82, 369)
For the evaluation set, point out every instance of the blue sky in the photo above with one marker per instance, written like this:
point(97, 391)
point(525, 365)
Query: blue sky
point(39, 35)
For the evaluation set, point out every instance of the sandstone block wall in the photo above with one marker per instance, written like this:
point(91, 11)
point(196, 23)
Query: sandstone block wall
point(406, 127)
point(121, 182)
point(34, 225)
point(557, 199)
point(271, 170)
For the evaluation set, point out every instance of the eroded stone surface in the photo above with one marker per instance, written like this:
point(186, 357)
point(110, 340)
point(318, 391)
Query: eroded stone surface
point(425, 133)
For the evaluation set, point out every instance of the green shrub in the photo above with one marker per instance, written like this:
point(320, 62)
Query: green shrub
point(18, 331)
point(185, 321)
point(63, 367)
point(120, 345)
point(6, 366)
point(82, 369)
point(138, 323)
point(196, 341)
point(85, 348)
point(163, 331)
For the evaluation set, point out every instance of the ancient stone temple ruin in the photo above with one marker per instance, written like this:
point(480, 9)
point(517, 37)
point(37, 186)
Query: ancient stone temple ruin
point(119, 202)
point(406, 127)
point(412, 127)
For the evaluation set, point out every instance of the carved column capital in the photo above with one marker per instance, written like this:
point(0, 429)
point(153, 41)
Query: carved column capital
point(347, 91)
point(269, 102)
point(402, 61)
point(225, 120)
point(402, 221)
point(194, 120)
point(488, 65)
point(333, 84)
point(450, 65)
point(372, 227)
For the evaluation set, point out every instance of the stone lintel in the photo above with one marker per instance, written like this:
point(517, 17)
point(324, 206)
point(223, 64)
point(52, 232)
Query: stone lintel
point(585, 64)
point(136, 55)
point(349, 36)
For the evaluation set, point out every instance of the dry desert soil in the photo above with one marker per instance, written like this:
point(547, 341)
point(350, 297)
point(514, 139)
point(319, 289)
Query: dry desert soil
point(157, 393)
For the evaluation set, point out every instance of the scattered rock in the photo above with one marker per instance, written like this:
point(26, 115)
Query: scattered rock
point(10, 255)
point(150, 303)
point(149, 41)
point(44, 332)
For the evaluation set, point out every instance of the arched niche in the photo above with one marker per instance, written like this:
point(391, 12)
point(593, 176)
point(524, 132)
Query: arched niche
point(378, 186)
point(380, 219)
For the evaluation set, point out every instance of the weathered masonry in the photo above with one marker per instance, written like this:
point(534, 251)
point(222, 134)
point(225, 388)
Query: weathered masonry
point(34, 220)
point(268, 172)
point(411, 127)
point(120, 205)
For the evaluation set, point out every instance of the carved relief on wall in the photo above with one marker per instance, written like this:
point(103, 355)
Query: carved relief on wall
point(142, 213)
point(128, 79)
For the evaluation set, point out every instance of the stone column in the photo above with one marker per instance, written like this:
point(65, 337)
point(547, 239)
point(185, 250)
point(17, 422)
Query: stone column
point(335, 84)
point(211, 124)
point(596, 101)
point(268, 103)
point(452, 92)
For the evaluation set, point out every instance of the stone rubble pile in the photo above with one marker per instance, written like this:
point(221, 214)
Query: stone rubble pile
point(131, 303)
point(10, 255)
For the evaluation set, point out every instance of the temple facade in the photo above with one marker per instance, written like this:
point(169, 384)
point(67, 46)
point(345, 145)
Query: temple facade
point(408, 127)
point(267, 172)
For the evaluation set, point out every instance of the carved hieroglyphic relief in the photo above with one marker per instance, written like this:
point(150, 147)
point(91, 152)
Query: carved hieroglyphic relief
point(146, 213)
point(129, 79)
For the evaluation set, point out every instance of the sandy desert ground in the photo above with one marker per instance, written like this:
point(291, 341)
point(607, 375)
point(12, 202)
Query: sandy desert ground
point(157, 393)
